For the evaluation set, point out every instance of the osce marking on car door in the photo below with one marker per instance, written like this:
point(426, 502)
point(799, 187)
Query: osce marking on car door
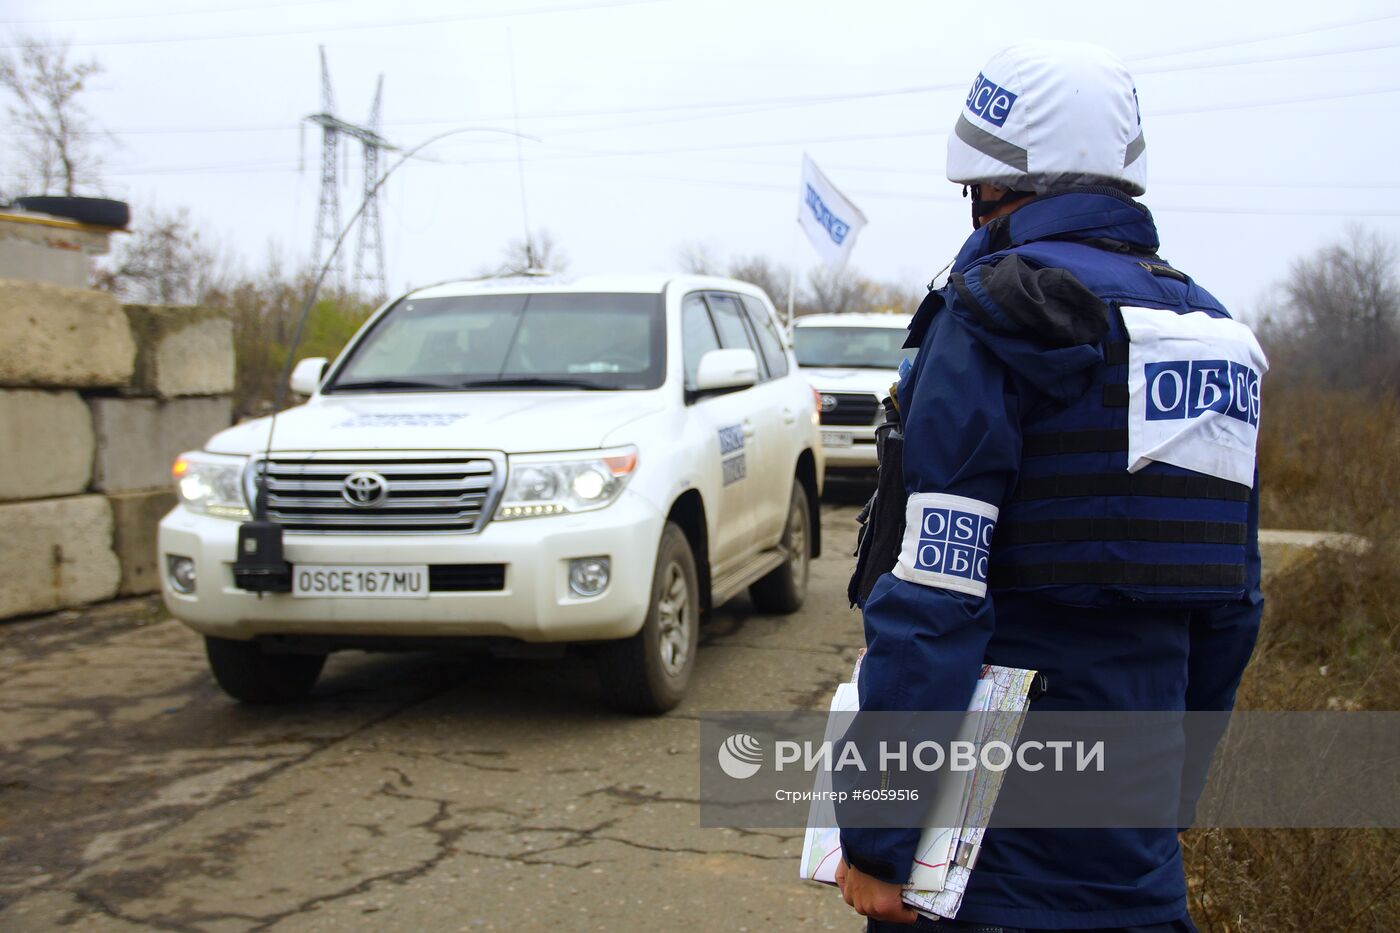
point(731, 449)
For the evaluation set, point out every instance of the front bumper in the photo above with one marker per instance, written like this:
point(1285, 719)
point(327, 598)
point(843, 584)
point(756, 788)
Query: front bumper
point(535, 604)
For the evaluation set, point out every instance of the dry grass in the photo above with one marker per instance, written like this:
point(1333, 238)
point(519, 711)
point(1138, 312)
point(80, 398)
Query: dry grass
point(1329, 461)
point(1329, 641)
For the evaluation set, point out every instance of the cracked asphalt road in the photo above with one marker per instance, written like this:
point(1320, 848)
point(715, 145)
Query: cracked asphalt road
point(414, 792)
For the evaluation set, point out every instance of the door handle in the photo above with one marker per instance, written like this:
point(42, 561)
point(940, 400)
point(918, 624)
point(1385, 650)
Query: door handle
point(789, 416)
point(748, 428)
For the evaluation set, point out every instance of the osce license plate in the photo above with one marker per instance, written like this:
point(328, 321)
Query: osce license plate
point(837, 439)
point(361, 581)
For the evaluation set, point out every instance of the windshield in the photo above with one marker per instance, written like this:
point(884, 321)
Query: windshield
point(579, 341)
point(851, 347)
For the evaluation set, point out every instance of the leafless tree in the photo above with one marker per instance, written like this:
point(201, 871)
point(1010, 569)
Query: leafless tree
point(535, 254)
point(768, 275)
point(698, 258)
point(57, 137)
point(838, 292)
point(1337, 318)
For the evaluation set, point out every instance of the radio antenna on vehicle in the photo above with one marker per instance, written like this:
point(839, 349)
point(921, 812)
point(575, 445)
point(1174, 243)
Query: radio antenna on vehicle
point(520, 155)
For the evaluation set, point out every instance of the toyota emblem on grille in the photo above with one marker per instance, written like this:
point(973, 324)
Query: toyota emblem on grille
point(365, 489)
point(828, 403)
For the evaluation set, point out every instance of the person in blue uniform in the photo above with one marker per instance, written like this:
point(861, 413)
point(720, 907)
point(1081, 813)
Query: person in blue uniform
point(1091, 413)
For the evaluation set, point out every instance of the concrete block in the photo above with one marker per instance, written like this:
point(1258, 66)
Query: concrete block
point(56, 553)
point(1284, 549)
point(181, 351)
point(37, 262)
point(48, 444)
point(135, 517)
point(39, 248)
point(138, 438)
point(64, 338)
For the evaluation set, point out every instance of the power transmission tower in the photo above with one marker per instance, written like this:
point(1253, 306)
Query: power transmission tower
point(371, 234)
point(371, 231)
point(328, 211)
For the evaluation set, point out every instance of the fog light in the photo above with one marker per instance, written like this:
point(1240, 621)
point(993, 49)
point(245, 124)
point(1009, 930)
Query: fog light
point(588, 576)
point(181, 572)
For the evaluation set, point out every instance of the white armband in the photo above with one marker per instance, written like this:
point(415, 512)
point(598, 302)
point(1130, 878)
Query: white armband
point(947, 542)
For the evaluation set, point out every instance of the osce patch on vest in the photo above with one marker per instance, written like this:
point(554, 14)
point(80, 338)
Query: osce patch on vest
point(1193, 392)
point(947, 541)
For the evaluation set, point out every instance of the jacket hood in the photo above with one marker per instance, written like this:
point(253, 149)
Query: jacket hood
point(1079, 214)
point(1058, 369)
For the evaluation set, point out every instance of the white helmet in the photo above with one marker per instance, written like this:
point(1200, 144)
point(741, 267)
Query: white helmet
point(1047, 115)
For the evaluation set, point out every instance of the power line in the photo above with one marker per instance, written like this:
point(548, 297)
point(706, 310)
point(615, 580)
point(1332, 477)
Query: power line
point(1254, 40)
point(1268, 59)
point(791, 100)
point(1155, 181)
point(681, 150)
point(603, 153)
point(794, 101)
point(163, 14)
point(854, 137)
point(388, 24)
point(1151, 114)
point(237, 169)
point(791, 189)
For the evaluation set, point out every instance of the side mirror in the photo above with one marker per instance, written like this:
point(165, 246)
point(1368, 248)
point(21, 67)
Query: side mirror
point(307, 375)
point(726, 369)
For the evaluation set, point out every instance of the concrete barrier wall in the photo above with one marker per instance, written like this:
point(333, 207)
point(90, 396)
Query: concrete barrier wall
point(96, 400)
point(63, 338)
point(48, 444)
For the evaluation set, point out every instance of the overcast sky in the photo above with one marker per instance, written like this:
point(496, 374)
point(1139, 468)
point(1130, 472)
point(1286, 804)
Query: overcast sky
point(1269, 127)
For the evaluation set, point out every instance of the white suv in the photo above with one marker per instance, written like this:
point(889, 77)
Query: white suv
point(851, 360)
point(512, 461)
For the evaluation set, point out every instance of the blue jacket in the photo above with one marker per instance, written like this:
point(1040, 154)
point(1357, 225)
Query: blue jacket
point(977, 381)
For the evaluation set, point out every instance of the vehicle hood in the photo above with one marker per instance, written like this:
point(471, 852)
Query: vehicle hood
point(514, 422)
point(833, 379)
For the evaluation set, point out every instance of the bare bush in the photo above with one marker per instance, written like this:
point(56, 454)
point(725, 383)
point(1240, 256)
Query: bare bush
point(165, 261)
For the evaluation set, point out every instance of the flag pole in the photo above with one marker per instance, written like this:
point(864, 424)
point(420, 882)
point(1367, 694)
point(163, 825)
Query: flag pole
point(792, 273)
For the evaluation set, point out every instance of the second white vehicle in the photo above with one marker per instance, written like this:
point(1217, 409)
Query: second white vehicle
point(851, 360)
point(597, 461)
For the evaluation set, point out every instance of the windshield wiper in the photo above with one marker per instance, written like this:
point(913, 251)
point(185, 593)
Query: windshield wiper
point(532, 382)
point(389, 384)
point(845, 365)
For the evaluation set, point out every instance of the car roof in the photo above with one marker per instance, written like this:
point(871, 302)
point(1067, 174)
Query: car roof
point(644, 284)
point(854, 319)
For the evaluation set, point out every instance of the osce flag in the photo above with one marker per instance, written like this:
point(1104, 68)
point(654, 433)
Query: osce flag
point(829, 218)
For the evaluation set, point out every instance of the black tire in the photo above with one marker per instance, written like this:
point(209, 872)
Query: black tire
point(100, 212)
point(251, 675)
point(649, 672)
point(785, 589)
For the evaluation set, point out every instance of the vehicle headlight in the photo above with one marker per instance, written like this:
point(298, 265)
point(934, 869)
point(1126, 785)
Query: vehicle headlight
point(554, 484)
point(212, 484)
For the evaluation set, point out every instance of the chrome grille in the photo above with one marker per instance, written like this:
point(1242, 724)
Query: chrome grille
point(425, 495)
point(849, 408)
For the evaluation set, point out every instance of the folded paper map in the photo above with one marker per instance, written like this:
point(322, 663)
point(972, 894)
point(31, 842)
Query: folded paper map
point(945, 855)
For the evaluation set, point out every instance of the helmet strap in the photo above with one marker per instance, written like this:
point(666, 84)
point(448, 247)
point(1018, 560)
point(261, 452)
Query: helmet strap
point(982, 207)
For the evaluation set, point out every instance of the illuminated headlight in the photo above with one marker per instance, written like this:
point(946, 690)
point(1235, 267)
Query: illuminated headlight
point(553, 484)
point(212, 484)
